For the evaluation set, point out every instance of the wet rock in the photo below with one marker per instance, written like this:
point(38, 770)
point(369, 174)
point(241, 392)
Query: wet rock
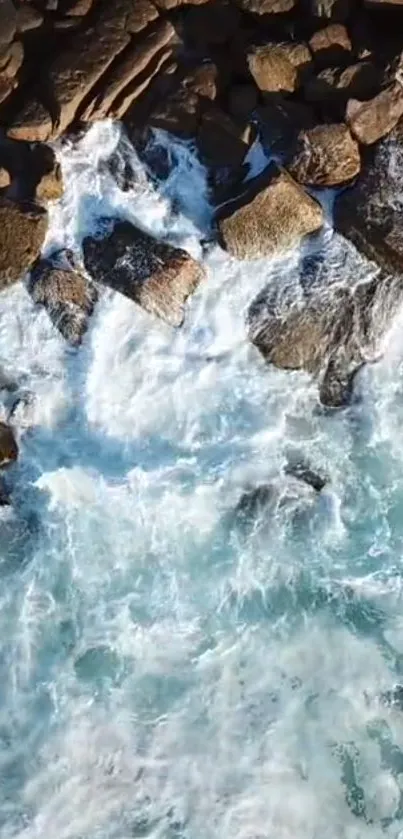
point(221, 141)
point(157, 276)
point(273, 214)
point(48, 175)
point(5, 179)
point(31, 122)
point(8, 446)
point(302, 472)
point(331, 45)
point(281, 123)
point(371, 120)
point(272, 69)
point(330, 330)
point(5, 500)
point(371, 213)
point(394, 697)
point(253, 504)
point(68, 297)
point(327, 156)
point(22, 231)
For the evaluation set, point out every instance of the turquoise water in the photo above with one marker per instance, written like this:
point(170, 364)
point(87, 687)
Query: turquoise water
point(164, 673)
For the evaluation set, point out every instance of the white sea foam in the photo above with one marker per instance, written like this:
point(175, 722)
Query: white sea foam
point(163, 674)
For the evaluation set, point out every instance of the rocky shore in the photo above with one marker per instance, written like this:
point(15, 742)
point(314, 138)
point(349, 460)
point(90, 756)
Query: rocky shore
point(320, 82)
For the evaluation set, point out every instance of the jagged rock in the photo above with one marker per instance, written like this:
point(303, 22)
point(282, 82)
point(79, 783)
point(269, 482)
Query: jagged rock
point(32, 122)
point(8, 21)
point(281, 123)
point(331, 45)
point(371, 213)
point(330, 330)
point(80, 8)
point(333, 87)
point(14, 62)
point(242, 100)
point(5, 179)
point(155, 275)
point(266, 7)
point(272, 69)
point(8, 446)
point(22, 232)
point(180, 112)
point(49, 183)
point(302, 472)
point(253, 504)
point(326, 156)
point(131, 74)
point(273, 214)
point(28, 17)
point(142, 13)
point(370, 121)
point(221, 141)
point(67, 296)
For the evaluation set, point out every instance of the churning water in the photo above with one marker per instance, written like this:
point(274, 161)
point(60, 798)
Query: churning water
point(164, 674)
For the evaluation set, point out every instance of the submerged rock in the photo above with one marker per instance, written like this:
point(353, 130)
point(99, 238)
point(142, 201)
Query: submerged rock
point(302, 472)
point(8, 445)
point(5, 500)
point(155, 275)
point(253, 503)
point(22, 231)
point(68, 297)
point(272, 214)
point(329, 330)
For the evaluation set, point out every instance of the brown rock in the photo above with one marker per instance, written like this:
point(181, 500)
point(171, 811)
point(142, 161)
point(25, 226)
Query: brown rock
point(166, 5)
point(161, 64)
point(142, 13)
point(242, 100)
point(134, 62)
point(80, 8)
point(8, 21)
point(157, 276)
point(333, 87)
point(67, 296)
point(221, 141)
point(267, 7)
point(326, 156)
point(22, 232)
point(28, 17)
point(331, 45)
point(371, 120)
point(272, 215)
point(31, 123)
point(272, 69)
point(50, 186)
point(212, 23)
point(6, 87)
point(8, 446)
point(5, 179)
point(180, 111)
point(14, 63)
point(203, 81)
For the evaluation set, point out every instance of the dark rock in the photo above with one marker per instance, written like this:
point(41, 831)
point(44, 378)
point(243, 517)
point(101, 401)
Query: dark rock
point(157, 276)
point(22, 232)
point(302, 472)
point(331, 45)
point(330, 330)
point(242, 100)
point(281, 123)
point(333, 87)
point(371, 120)
point(371, 213)
point(326, 156)
point(67, 296)
point(31, 122)
point(8, 21)
point(334, 10)
point(221, 141)
point(273, 214)
point(393, 698)
point(8, 446)
point(28, 17)
point(253, 504)
point(211, 23)
point(5, 500)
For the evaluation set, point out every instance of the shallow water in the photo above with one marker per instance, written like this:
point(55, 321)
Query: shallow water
point(163, 673)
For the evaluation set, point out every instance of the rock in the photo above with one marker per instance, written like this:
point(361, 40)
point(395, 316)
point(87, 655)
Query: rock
point(221, 141)
point(48, 175)
point(253, 504)
point(5, 499)
point(371, 213)
point(331, 45)
point(242, 100)
point(142, 13)
point(15, 59)
point(333, 87)
point(273, 214)
point(131, 74)
point(370, 121)
point(281, 123)
point(330, 330)
point(22, 232)
point(267, 7)
point(394, 697)
point(8, 446)
point(180, 112)
point(155, 275)
point(335, 10)
point(272, 69)
point(203, 80)
point(6, 88)
point(28, 17)
point(302, 472)
point(80, 8)
point(67, 296)
point(8, 22)
point(326, 156)
point(166, 5)
point(32, 122)
point(5, 179)
point(212, 23)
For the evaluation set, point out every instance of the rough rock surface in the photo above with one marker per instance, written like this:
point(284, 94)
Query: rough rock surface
point(5, 179)
point(331, 45)
point(157, 276)
point(272, 69)
point(22, 232)
point(273, 214)
point(8, 445)
point(327, 155)
point(67, 296)
point(370, 121)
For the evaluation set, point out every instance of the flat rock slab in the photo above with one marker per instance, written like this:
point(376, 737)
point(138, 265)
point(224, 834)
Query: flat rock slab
point(68, 297)
point(272, 215)
point(8, 446)
point(22, 232)
point(155, 275)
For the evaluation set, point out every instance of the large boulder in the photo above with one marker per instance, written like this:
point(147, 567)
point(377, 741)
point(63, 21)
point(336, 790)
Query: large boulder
point(272, 214)
point(8, 445)
point(327, 328)
point(272, 69)
point(327, 156)
point(155, 275)
point(371, 120)
point(68, 297)
point(22, 232)
point(331, 88)
point(331, 45)
point(371, 213)
point(221, 141)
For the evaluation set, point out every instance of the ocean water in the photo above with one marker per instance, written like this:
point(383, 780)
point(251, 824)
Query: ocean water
point(165, 674)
